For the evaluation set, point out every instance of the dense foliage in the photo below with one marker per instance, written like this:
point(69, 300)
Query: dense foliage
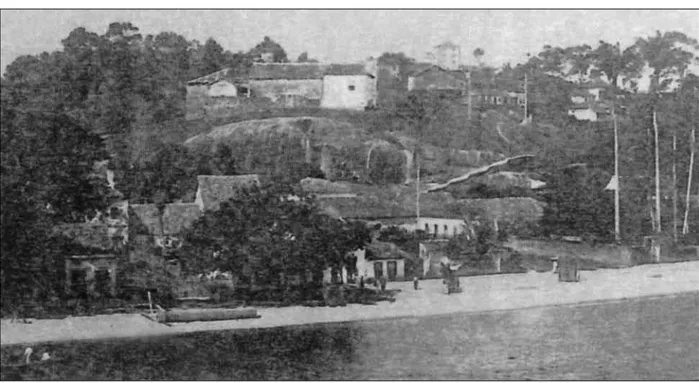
point(273, 235)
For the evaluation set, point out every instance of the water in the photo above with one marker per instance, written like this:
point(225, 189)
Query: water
point(638, 339)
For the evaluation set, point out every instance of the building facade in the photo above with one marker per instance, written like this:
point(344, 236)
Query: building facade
point(284, 85)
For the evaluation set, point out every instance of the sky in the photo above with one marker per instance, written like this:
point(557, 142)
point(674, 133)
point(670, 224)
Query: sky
point(354, 35)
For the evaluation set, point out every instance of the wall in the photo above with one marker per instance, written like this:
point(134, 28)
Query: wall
point(458, 225)
point(203, 102)
point(311, 89)
point(595, 92)
point(222, 89)
point(337, 93)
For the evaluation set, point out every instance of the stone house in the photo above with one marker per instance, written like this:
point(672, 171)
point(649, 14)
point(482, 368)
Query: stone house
point(285, 85)
point(94, 269)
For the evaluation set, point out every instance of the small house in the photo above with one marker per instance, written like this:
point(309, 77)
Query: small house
point(376, 260)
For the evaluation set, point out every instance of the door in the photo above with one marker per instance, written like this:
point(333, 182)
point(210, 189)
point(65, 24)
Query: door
point(78, 283)
point(378, 269)
point(392, 267)
point(103, 282)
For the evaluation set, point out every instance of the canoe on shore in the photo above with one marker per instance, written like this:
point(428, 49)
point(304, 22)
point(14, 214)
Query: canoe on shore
point(203, 315)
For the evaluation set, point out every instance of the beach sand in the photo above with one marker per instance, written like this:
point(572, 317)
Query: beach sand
point(483, 293)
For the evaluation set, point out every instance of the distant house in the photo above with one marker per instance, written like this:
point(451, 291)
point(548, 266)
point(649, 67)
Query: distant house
point(213, 190)
point(589, 112)
point(286, 85)
point(376, 260)
point(434, 78)
point(596, 88)
point(382, 259)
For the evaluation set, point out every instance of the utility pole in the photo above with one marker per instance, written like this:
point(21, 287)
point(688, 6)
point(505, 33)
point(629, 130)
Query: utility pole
point(617, 215)
point(526, 98)
point(658, 221)
point(674, 185)
point(468, 93)
point(685, 226)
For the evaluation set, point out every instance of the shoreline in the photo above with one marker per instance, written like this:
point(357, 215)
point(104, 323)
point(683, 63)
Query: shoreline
point(483, 294)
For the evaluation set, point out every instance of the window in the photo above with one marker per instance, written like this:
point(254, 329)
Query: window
point(351, 87)
point(436, 229)
point(446, 230)
point(427, 228)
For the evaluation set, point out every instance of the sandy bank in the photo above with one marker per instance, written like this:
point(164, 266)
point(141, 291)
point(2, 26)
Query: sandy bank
point(495, 292)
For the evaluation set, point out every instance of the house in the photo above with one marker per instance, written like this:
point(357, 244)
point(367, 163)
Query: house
point(596, 88)
point(589, 112)
point(376, 260)
point(435, 78)
point(90, 274)
point(285, 85)
point(91, 268)
point(382, 259)
point(213, 190)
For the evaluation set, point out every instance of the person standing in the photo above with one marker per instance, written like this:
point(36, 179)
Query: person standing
point(415, 282)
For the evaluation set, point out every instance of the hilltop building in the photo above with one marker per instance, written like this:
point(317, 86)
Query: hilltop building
point(284, 85)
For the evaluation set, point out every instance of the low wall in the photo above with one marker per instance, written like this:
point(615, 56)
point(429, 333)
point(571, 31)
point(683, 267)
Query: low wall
point(590, 257)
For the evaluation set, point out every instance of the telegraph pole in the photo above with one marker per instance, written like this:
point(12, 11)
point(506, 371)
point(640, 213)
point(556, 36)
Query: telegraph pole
point(468, 93)
point(526, 98)
point(685, 226)
point(617, 191)
point(657, 174)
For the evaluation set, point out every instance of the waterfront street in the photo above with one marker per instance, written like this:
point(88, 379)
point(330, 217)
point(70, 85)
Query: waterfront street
point(484, 293)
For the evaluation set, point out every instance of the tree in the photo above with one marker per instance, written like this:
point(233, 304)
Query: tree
point(303, 58)
point(47, 162)
point(269, 46)
point(264, 237)
point(614, 63)
point(478, 53)
point(213, 58)
point(578, 204)
point(668, 55)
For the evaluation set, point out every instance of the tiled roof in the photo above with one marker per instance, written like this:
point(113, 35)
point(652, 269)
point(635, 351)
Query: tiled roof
point(145, 218)
point(274, 71)
point(88, 235)
point(179, 216)
point(345, 70)
point(212, 78)
point(216, 189)
point(283, 71)
point(373, 202)
point(385, 250)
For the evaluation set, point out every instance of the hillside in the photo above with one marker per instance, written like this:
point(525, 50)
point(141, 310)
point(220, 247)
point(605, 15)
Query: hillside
point(340, 149)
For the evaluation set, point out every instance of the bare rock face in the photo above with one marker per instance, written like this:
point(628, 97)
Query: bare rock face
point(337, 148)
